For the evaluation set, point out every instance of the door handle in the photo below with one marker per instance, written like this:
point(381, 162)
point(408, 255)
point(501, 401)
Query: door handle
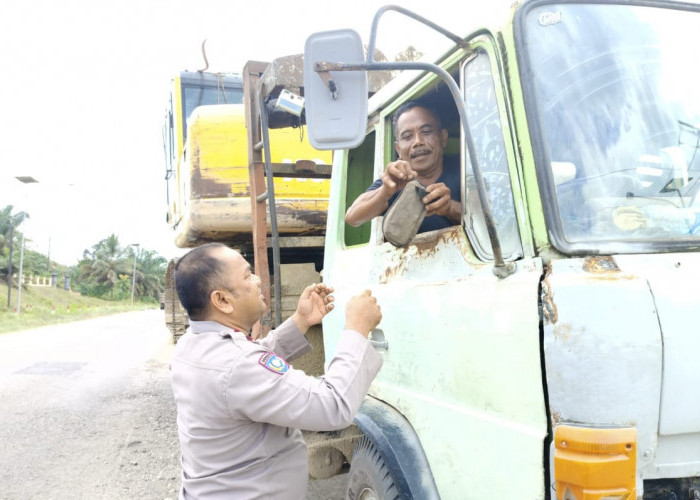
point(377, 340)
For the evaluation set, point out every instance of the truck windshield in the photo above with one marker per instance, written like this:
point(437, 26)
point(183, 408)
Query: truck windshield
point(617, 93)
point(201, 95)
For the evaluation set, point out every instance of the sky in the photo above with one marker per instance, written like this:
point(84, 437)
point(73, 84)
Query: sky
point(84, 86)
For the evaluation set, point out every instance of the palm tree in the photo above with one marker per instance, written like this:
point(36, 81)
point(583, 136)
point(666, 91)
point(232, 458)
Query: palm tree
point(108, 264)
point(105, 263)
point(150, 273)
point(7, 220)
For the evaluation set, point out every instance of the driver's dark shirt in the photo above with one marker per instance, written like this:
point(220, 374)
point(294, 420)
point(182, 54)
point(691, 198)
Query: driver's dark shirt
point(450, 177)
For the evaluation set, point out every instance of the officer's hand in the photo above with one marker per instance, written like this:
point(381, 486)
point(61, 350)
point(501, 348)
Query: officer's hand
point(362, 313)
point(314, 303)
point(396, 176)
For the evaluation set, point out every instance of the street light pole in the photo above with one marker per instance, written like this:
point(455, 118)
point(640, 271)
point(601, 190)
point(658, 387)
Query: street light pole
point(19, 285)
point(24, 179)
point(133, 277)
point(9, 267)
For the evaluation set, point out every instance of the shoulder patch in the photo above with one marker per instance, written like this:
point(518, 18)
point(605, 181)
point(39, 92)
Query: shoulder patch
point(274, 363)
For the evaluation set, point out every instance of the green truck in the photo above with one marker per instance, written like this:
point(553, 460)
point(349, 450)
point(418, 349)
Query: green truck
point(544, 347)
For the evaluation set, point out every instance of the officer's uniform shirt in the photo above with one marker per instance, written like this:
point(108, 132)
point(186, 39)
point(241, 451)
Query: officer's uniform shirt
point(240, 406)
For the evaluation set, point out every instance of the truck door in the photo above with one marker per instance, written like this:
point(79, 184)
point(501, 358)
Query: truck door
point(461, 346)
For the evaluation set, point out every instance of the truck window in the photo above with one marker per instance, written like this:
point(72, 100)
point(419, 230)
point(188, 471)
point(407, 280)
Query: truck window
point(486, 129)
point(207, 91)
point(200, 95)
point(619, 113)
point(360, 176)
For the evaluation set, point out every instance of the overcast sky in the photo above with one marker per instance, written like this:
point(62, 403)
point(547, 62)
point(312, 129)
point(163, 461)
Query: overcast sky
point(84, 85)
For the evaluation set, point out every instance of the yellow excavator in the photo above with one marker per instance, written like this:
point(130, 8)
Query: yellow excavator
point(208, 174)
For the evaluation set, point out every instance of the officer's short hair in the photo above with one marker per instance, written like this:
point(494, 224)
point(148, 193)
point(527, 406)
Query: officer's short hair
point(410, 105)
point(196, 276)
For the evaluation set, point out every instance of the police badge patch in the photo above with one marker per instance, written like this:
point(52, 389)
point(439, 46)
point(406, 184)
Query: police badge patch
point(274, 363)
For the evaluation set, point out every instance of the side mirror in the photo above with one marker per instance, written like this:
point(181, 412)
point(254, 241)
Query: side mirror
point(335, 120)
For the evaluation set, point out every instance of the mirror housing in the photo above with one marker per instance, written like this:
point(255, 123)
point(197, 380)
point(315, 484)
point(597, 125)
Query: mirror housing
point(335, 120)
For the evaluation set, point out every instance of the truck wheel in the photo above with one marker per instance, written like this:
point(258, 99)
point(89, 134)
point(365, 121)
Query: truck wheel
point(369, 478)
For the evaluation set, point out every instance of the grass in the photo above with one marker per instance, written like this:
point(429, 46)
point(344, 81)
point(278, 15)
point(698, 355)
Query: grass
point(45, 305)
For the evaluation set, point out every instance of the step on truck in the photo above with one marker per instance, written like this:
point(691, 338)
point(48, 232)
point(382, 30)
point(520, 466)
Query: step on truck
point(546, 346)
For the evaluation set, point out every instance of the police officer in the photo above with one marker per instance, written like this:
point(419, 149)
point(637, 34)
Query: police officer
point(240, 404)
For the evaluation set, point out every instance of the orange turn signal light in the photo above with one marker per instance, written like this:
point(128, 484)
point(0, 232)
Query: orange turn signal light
point(593, 463)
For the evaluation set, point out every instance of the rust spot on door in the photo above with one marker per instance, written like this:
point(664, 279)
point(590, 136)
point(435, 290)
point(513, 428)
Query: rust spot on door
point(599, 265)
point(427, 246)
point(393, 271)
point(549, 308)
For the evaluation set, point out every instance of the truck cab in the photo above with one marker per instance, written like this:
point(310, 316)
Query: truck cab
point(573, 375)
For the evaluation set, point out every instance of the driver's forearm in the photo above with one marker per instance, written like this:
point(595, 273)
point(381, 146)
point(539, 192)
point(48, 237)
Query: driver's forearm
point(366, 207)
point(454, 212)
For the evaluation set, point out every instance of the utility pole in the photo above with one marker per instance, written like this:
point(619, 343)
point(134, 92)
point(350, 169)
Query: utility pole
point(24, 179)
point(19, 277)
point(9, 267)
point(133, 278)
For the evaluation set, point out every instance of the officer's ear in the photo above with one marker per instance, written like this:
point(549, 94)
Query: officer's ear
point(220, 300)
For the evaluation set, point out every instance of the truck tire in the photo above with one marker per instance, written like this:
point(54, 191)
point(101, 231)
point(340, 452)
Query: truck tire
point(369, 477)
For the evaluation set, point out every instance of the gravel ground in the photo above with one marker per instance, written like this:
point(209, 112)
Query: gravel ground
point(81, 425)
point(118, 443)
point(143, 417)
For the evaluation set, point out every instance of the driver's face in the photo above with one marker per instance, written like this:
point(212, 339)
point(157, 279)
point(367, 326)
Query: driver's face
point(420, 141)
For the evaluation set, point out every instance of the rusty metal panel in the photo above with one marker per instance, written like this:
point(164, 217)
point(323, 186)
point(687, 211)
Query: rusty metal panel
point(620, 349)
point(603, 364)
point(283, 72)
point(258, 205)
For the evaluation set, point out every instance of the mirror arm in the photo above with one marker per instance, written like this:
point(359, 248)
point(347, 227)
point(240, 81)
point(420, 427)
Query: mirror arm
point(501, 269)
point(375, 23)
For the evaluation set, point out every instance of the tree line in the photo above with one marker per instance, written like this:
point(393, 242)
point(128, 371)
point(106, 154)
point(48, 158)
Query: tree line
point(106, 270)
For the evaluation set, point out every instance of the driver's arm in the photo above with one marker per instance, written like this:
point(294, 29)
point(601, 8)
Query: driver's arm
point(367, 206)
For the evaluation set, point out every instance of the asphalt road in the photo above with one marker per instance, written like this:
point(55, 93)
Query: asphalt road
point(86, 411)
